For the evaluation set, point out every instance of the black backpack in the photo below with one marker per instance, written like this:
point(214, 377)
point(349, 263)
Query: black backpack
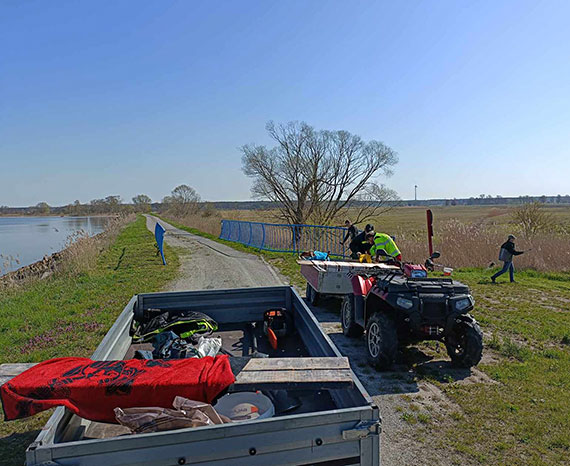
point(183, 323)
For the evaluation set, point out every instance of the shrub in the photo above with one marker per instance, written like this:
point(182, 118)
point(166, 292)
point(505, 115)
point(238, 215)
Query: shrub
point(532, 219)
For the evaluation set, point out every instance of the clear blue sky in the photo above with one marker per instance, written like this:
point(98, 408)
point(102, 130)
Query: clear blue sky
point(128, 97)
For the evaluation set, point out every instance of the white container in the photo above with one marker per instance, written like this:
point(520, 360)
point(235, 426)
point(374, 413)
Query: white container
point(245, 406)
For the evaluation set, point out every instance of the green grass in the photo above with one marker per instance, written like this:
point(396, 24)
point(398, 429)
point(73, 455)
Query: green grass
point(524, 417)
point(68, 315)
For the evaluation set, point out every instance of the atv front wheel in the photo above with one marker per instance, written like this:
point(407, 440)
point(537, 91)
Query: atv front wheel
point(313, 295)
point(381, 341)
point(349, 327)
point(465, 346)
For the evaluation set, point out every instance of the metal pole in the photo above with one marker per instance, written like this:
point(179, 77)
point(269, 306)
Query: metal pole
point(429, 217)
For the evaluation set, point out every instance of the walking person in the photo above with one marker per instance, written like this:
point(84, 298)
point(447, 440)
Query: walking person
point(506, 255)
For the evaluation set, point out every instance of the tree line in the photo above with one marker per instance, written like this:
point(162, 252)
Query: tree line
point(182, 200)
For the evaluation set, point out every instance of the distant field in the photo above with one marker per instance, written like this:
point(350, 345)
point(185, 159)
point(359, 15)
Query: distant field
point(413, 219)
point(467, 236)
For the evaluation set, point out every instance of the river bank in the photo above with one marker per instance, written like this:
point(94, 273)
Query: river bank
point(26, 240)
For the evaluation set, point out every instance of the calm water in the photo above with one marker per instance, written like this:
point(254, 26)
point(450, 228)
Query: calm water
point(29, 239)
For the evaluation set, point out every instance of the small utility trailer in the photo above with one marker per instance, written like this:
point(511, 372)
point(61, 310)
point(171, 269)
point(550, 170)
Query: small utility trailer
point(335, 424)
point(332, 278)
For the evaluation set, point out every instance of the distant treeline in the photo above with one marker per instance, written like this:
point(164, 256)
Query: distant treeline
point(114, 205)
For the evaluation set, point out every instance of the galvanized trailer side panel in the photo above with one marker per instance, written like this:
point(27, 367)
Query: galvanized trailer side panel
point(349, 433)
point(307, 439)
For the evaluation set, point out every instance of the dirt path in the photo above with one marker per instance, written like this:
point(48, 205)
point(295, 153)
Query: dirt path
point(206, 264)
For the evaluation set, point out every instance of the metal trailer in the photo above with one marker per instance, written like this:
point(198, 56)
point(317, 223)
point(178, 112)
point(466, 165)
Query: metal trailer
point(332, 278)
point(346, 432)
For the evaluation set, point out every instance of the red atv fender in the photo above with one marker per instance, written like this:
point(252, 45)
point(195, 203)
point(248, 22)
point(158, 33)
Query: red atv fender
point(360, 288)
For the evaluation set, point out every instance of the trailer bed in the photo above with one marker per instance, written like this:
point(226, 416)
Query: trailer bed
point(334, 422)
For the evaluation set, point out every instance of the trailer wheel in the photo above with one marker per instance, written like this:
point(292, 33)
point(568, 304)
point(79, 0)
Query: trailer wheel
point(465, 347)
point(312, 295)
point(349, 327)
point(381, 341)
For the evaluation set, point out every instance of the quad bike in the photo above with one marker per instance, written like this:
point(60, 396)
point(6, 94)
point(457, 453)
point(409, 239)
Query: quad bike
point(405, 305)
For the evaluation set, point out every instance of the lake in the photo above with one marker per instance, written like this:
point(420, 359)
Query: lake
point(24, 240)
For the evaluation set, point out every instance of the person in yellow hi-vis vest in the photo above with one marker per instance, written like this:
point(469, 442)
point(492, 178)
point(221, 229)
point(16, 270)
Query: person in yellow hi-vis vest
point(383, 245)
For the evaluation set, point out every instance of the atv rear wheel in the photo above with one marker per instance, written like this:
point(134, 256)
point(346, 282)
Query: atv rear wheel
point(381, 341)
point(465, 347)
point(313, 296)
point(349, 327)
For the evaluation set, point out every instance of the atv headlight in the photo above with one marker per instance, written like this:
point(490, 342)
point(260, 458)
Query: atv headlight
point(462, 304)
point(405, 303)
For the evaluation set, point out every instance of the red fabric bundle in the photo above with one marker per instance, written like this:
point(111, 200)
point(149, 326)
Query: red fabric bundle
point(92, 389)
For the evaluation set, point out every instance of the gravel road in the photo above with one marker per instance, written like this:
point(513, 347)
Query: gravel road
point(206, 264)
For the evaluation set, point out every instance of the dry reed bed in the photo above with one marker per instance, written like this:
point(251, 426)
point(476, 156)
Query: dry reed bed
point(477, 245)
point(461, 244)
point(80, 255)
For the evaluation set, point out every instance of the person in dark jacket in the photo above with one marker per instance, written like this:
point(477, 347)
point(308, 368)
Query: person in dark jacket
point(506, 255)
point(351, 233)
point(359, 245)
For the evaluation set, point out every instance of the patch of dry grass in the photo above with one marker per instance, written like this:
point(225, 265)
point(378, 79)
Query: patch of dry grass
point(81, 250)
point(477, 245)
point(206, 223)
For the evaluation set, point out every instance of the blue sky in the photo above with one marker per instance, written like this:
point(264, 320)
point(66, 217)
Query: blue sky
point(128, 97)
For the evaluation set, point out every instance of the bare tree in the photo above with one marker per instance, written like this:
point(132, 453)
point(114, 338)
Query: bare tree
point(184, 199)
point(318, 176)
point(142, 203)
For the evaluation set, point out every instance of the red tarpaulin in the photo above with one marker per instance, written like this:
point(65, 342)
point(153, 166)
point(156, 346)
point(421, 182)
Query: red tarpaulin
point(92, 389)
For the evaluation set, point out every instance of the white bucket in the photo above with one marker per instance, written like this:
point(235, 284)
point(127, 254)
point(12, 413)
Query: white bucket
point(245, 406)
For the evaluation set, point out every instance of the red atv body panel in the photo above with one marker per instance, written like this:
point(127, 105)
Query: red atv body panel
point(361, 286)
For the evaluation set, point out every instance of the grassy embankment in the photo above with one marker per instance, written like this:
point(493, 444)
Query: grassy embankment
point(68, 315)
point(523, 416)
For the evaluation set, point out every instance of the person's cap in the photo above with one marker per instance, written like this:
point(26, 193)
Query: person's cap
point(368, 227)
point(512, 237)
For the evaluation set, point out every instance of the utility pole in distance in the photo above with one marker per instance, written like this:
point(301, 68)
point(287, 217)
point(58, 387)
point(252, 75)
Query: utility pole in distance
point(415, 192)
